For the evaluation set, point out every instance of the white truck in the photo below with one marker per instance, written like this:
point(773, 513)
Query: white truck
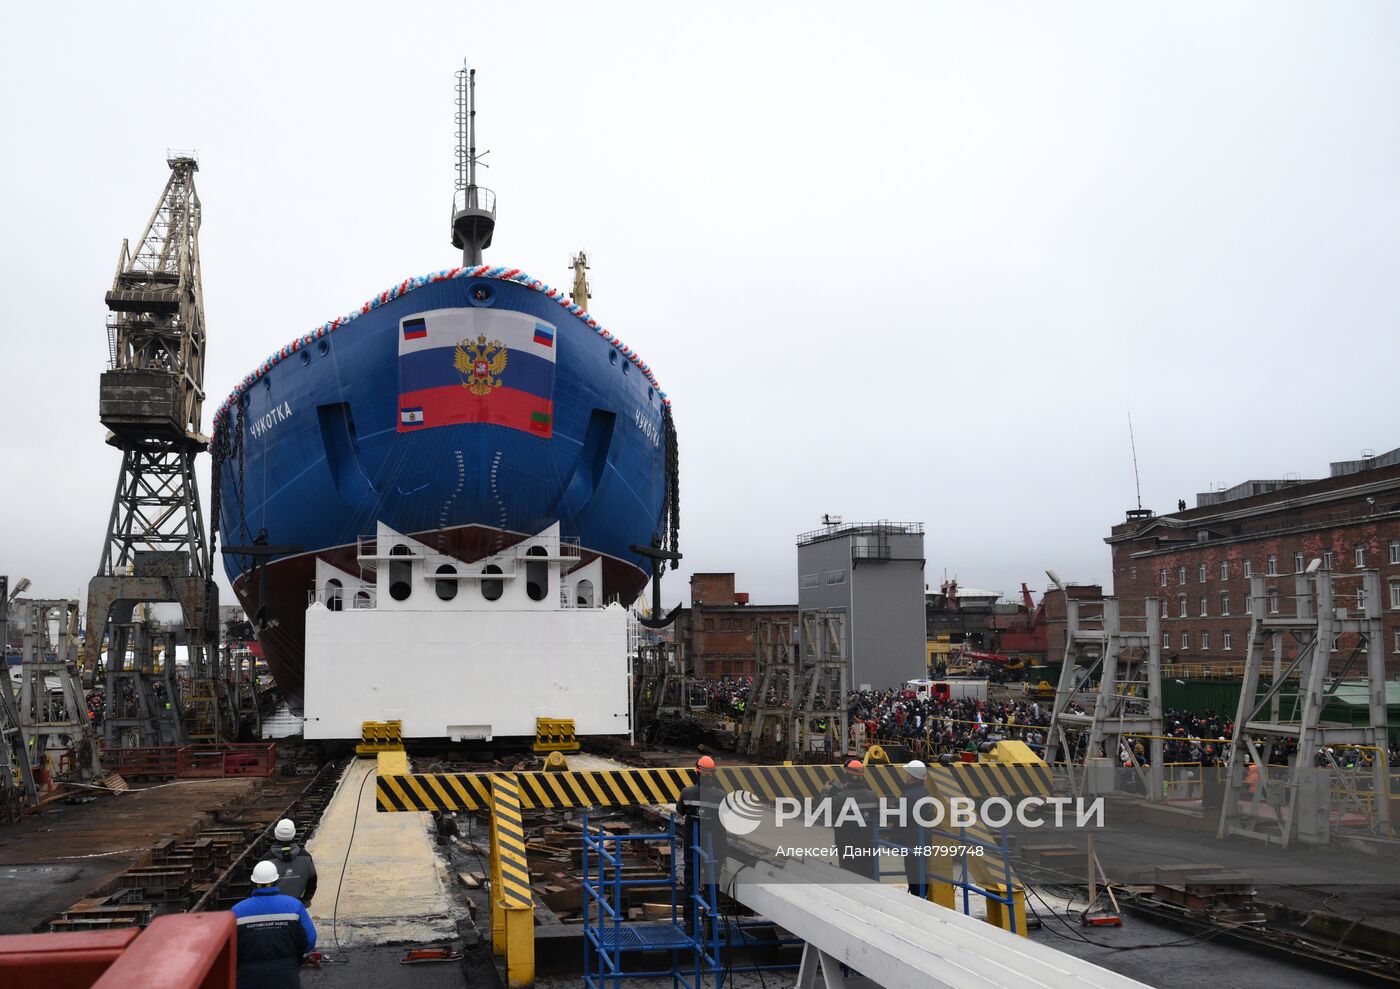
point(954, 688)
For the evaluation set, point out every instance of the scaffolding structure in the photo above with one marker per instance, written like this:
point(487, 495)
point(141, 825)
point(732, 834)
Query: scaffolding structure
point(52, 705)
point(662, 681)
point(693, 947)
point(1110, 693)
point(17, 789)
point(156, 548)
point(141, 696)
point(1284, 804)
point(800, 681)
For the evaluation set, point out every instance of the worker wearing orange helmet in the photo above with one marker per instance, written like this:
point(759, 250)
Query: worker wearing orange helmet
point(855, 808)
point(702, 832)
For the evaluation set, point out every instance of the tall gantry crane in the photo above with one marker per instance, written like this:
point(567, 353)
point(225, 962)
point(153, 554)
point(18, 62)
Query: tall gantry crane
point(156, 548)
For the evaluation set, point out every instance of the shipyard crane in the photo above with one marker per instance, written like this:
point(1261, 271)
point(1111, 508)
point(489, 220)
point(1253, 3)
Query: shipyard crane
point(156, 548)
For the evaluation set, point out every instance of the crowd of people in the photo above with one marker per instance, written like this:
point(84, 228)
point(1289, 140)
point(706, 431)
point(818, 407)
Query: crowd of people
point(932, 725)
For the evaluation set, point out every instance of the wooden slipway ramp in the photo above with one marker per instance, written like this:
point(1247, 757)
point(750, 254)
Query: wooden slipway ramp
point(396, 886)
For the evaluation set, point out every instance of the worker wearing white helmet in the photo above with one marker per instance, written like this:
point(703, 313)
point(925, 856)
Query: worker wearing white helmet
point(296, 869)
point(913, 837)
point(274, 932)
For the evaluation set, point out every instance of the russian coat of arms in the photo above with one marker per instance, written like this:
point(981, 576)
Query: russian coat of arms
point(480, 364)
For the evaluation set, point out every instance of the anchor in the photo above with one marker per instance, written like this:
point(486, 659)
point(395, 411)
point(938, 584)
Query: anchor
point(656, 554)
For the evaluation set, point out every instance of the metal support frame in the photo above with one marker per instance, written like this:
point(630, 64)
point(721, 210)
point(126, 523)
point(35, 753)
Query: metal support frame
point(141, 697)
point(1125, 703)
point(1288, 804)
point(16, 777)
point(607, 933)
point(156, 547)
point(800, 678)
point(52, 706)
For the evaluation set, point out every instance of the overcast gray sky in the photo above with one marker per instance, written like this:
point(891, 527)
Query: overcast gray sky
point(909, 261)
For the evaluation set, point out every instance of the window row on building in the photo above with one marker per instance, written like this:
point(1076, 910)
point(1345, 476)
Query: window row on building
point(1204, 638)
point(1271, 565)
point(1273, 604)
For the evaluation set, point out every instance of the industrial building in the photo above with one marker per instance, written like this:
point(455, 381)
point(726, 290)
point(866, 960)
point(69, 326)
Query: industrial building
point(872, 575)
point(1198, 562)
point(717, 629)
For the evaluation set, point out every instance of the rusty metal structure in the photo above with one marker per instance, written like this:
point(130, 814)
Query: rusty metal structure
point(52, 707)
point(156, 548)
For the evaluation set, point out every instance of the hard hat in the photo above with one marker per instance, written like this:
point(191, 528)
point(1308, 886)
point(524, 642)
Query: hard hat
point(855, 767)
point(265, 874)
point(285, 830)
point(705, 764)
point(916, 769)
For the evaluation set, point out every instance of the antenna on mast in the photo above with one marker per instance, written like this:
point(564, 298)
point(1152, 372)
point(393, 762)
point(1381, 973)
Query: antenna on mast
point(473, 208)
point(1133, 443)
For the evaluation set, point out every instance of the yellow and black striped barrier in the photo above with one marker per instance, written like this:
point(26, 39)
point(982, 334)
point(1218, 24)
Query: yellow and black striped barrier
point(512, 902)
point(979, 780)
point(555, 735)
point(546, 790)
point(380, 736)
point(569, 789)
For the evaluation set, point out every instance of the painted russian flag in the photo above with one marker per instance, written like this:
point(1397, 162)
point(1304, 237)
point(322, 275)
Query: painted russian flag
point(477, 365)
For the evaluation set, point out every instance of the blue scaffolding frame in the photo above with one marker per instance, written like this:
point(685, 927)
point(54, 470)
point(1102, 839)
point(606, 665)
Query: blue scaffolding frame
point(609, 936)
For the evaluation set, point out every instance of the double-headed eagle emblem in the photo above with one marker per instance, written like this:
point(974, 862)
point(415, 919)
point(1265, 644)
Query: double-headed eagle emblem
point(480, 364)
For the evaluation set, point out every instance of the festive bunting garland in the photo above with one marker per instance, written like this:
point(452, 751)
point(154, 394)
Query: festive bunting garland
point(408, 285)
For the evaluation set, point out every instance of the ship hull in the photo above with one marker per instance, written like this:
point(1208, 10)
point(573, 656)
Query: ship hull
point(328, 450)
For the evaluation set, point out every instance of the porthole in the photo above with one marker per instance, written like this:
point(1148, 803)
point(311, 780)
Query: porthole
point(305, 356)
point(267, 382)
point(447, 589)
point(536, 574)
point(612, 356)
point(627, 368)
point(649, 392)
point(323, 347)
point(481, 294)
point(400, 574)
point(492, 590)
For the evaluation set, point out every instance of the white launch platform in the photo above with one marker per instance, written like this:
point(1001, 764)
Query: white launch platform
point(464, 650)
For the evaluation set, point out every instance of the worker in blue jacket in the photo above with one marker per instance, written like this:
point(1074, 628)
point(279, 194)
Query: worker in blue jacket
point(274, 932)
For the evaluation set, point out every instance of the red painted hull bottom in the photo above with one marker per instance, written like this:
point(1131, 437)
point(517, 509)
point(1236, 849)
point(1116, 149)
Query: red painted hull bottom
point(289, 581)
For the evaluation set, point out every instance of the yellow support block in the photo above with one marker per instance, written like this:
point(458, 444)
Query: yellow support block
point(943, 894)
point(876, 756)
point(1000, 914)
point(555, 735)
point(380, 736)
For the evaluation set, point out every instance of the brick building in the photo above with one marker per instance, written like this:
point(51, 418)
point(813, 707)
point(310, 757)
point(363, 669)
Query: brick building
point(1057, 615)
point(717, 629)
point(1197, 562)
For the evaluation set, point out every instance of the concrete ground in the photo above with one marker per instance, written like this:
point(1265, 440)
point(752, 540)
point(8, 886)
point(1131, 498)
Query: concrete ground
point(395, 887)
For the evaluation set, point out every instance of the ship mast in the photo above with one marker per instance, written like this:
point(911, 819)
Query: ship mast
point(473, 208)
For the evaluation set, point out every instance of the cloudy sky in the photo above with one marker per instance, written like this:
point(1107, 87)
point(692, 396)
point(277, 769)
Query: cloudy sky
point(909, 261)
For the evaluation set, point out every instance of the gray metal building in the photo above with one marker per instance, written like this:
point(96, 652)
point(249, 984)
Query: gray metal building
point(874, 574)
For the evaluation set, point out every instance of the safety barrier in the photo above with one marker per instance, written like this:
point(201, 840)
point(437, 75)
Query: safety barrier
point(555, 735)
point(178, 951)
point(380, 736)
point(192, 761)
